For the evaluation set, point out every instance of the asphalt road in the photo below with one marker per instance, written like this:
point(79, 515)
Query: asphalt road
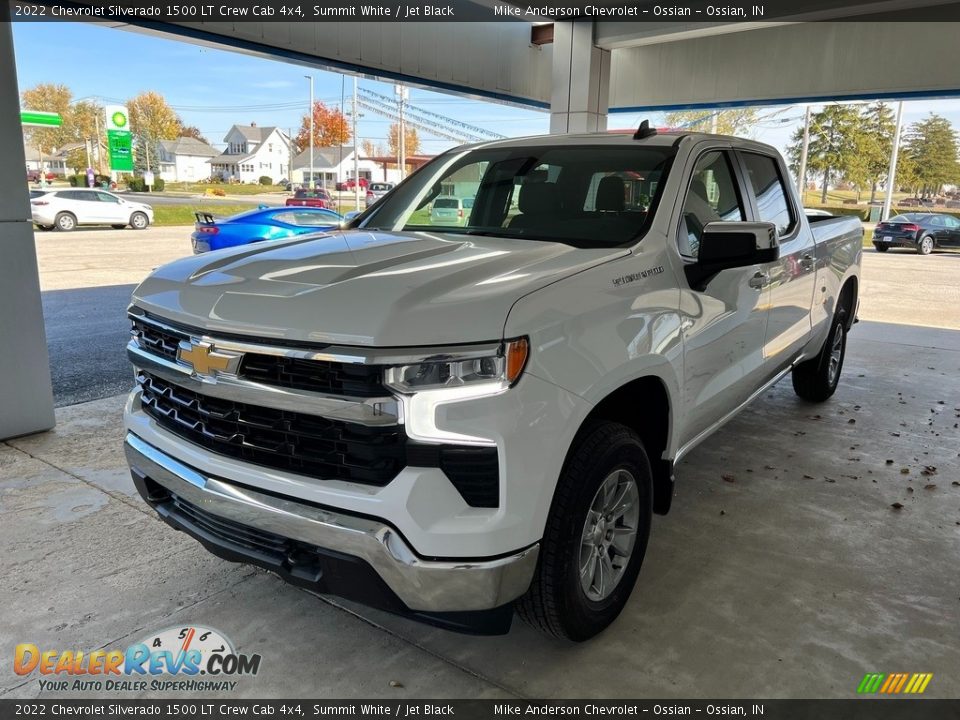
point(87, 277)
point(87, 330)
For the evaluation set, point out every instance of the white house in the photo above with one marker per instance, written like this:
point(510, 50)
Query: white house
point(185, 159)
point(332, 165)
point(253, 152)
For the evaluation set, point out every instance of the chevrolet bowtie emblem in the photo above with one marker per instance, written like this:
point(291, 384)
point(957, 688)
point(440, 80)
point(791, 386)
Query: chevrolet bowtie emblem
point(204, 359)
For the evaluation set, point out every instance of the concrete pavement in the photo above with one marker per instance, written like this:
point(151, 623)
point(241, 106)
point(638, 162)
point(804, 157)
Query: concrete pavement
point(793, 580)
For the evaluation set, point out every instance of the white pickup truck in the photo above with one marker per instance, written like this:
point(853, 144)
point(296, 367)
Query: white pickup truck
point(452, 423)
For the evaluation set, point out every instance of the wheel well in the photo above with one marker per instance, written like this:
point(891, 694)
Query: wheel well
point(644, 406)
point(847, 302)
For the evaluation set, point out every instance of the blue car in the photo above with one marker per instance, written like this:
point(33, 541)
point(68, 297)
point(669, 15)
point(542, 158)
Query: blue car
point(264, 223)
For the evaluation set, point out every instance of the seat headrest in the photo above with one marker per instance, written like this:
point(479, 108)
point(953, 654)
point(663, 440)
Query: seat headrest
point(699, 188)
point(538, 198)
point(610, 194)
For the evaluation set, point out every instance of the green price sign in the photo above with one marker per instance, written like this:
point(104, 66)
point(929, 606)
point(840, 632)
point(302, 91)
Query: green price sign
point(121, 152)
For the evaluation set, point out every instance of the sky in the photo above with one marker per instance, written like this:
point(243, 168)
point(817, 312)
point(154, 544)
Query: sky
point(215, 89)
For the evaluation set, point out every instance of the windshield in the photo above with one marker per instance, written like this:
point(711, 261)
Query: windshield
point(586, 196)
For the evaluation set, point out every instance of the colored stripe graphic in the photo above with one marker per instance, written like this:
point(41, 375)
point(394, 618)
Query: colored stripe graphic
point(894, 683)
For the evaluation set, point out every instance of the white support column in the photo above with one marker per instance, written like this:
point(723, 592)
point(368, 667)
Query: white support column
point(26, 399)
point(581, 80)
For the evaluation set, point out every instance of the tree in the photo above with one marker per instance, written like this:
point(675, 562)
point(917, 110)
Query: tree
point(330, 128)
point(372, 149)
point(192, 131)
point(411, 142)
point(151, 120)
point(832, 144)
point(49, 97)
point(79, 123)
point(931, 146)
point(874, 143)
point(736, 121)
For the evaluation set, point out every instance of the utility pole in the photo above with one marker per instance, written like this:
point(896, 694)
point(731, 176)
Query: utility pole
point(96, 120)
point(356, 150)
point(713, 122)
point(146, 150)
point(290, 156)
point(310, 78)
point(892, 170)
point(802, 174)
point(402, 132)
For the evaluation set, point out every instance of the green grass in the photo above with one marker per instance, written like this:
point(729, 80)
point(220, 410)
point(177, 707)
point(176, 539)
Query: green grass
point(228, 189)
point(183, 214)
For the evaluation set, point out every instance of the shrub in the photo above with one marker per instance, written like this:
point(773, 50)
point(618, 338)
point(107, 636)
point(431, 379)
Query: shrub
point(266, 180)
point(220, 192)
point(135, 184)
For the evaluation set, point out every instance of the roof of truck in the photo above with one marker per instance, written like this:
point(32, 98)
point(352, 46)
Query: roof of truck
point(662, 138)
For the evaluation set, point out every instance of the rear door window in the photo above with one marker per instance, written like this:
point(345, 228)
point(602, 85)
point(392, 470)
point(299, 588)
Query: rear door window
point(769, 191)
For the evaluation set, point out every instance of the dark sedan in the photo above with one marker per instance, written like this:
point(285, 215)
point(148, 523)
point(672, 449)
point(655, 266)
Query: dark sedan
point(922, 232)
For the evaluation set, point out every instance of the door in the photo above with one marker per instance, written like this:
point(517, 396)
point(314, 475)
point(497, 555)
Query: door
point(724, 324)
point(792, 279)
point(112, 209)
point(952, 238)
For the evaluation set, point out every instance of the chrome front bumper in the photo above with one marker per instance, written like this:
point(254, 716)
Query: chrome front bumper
point(422, 585)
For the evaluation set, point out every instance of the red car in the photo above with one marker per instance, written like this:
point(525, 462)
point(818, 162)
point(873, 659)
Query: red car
point(351, 184)
point(34, 176)
point(311, 198)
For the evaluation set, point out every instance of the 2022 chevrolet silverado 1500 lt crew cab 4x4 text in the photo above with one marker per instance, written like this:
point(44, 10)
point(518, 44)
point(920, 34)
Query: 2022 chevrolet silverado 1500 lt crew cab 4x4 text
point(453, 422)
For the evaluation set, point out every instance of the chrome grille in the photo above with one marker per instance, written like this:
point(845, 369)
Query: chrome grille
point(281, 439)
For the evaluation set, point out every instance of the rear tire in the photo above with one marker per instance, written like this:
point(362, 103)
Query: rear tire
point(596, 535)
point(139, 221)
point(816, 379)
point(65, 222)
point(926, 245)
point(880, 247)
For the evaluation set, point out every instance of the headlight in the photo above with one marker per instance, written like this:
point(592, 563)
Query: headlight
point(501, 366)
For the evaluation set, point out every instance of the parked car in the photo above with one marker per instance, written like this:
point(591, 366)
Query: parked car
point(451, 421)
point(310, 198)
point(257, 225)
point(376, 191)
point(449, 210)
point(34, 176)
point(66, 209)
point(351, 183)
point(923, 232)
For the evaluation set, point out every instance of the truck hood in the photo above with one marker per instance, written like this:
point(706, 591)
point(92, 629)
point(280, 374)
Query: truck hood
point(381, 289)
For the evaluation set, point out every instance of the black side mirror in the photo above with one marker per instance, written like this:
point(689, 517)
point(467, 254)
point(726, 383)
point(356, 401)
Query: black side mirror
point(725, 245)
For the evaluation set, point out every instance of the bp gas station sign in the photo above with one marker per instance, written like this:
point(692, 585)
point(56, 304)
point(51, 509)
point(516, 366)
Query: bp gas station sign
point(119, 139)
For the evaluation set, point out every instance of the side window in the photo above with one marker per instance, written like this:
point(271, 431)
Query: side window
point(106, 197)
point(712, 196)
point(771, 195)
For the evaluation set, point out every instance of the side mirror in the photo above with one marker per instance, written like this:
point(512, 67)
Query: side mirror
point(725, 245)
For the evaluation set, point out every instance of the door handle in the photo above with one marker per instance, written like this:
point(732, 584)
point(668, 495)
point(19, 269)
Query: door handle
point(806, 262)
point(759, 280)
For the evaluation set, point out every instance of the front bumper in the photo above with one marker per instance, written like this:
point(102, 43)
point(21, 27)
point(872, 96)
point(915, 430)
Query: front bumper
point(356, 557)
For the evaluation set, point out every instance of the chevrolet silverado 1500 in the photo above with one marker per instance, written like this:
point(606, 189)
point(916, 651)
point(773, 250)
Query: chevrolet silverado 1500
point(456, 422)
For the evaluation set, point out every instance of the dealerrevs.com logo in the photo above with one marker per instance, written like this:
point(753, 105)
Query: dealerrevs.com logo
point(171, 660)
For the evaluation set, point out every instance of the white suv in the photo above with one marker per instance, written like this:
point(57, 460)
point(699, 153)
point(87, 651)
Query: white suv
point(65, 209)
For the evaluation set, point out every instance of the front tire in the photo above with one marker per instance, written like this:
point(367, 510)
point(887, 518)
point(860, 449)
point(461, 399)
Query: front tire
point(65, 222)
point(926, 245)
point(139, 221)
point(816, 379)
point(596, 535)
